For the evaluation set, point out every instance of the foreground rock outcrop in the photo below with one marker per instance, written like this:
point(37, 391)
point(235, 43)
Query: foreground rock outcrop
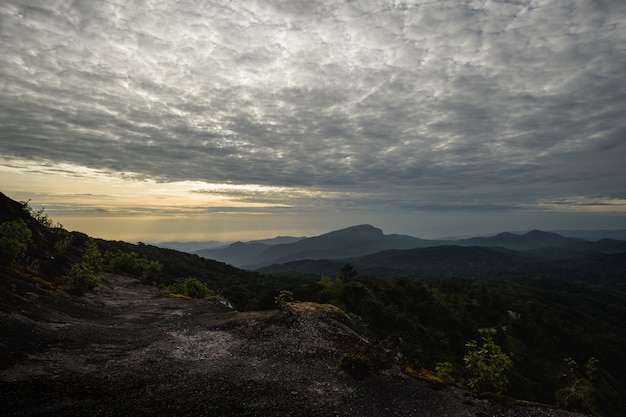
point(127, 350)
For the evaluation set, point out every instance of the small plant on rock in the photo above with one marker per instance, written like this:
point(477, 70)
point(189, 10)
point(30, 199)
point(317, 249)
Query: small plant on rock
point(578, 393)
point(444, 370)
point(486, 365)
point(284, 297)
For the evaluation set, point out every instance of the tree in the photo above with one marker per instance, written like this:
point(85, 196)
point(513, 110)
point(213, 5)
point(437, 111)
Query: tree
point(92, 256)
point(348, 273)
point(83, 275)
point(14, 238)
point(486, 366)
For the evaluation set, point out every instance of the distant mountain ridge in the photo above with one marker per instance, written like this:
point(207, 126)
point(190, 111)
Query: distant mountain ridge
point(191, 246)
point(352, 241)
point(362, 240)
point(535, 239)
point(593, 235)
point(472, 262)
point(197, 246)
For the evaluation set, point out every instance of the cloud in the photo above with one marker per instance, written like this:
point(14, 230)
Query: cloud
point(383, 103)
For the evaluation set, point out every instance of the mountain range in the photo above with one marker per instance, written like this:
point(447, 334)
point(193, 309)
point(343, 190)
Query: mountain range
point(109, 350)
point(366, 240)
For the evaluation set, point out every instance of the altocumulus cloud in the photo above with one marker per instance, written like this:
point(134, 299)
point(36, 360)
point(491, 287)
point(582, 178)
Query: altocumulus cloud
point(414, 104)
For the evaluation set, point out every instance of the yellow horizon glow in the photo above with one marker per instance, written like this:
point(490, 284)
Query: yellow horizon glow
point(128, 206)
point(125, 206)
point(84, 188)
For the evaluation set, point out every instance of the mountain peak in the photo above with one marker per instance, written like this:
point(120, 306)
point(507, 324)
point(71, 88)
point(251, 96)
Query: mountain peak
point(362, 230)
point(541, 233)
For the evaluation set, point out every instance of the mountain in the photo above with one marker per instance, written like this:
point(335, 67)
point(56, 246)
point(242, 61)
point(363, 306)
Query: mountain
point(593, 235)
point(352, 241)
point(236, 254)
point(192, 246)
point(241, 253)
point(472, 262)
point(205, 246)
point(545, 244)
point(449, 260)
point(278, 240)
point(127, 347)
point(535, 239)
point(365, 239)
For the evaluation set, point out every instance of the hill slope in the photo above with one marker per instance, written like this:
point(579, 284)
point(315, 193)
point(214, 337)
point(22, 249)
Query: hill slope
point(123, 350)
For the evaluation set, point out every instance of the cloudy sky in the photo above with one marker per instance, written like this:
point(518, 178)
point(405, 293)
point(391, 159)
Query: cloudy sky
point(223, 119)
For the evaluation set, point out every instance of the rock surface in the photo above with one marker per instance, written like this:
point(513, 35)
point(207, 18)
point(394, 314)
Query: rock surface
point(127, 350)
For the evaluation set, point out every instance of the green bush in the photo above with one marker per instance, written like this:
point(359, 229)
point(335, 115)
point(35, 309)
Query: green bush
point(486, 366)
point(40, 215)
point(14, 238)
point(284, 297)
point(133, 264)
point(81, 278)
point(578, 393)
point(191, 287)
point(444, 370)
point(92, 256)
point(83, 275)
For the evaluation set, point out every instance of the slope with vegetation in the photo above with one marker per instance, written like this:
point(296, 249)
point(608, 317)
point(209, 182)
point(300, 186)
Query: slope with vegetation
point(547, 339)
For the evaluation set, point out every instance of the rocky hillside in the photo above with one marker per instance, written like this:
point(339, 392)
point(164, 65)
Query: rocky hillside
point(127, 350)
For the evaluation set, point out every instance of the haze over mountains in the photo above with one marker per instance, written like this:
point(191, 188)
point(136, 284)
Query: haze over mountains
point(366, 240)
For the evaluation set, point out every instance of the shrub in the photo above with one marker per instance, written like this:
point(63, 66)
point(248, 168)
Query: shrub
point(64, 239)
point(41, 216)
point(578, 394)
point(92, 256)
point(191, 287)
point(81, 278)
point(444, 370)
point(14, 238)
point(133, 264)
point(83, 275)
point(284, 297)
point(486, 366)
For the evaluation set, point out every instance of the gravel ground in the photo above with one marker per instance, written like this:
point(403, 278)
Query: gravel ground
point(126, 350)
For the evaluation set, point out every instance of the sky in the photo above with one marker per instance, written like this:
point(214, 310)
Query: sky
point(157, 120)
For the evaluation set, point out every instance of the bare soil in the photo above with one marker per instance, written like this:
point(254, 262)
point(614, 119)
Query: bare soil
point(125, 349)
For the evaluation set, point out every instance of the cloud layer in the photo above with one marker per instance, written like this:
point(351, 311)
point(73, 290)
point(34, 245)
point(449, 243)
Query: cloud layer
point(415, 105)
